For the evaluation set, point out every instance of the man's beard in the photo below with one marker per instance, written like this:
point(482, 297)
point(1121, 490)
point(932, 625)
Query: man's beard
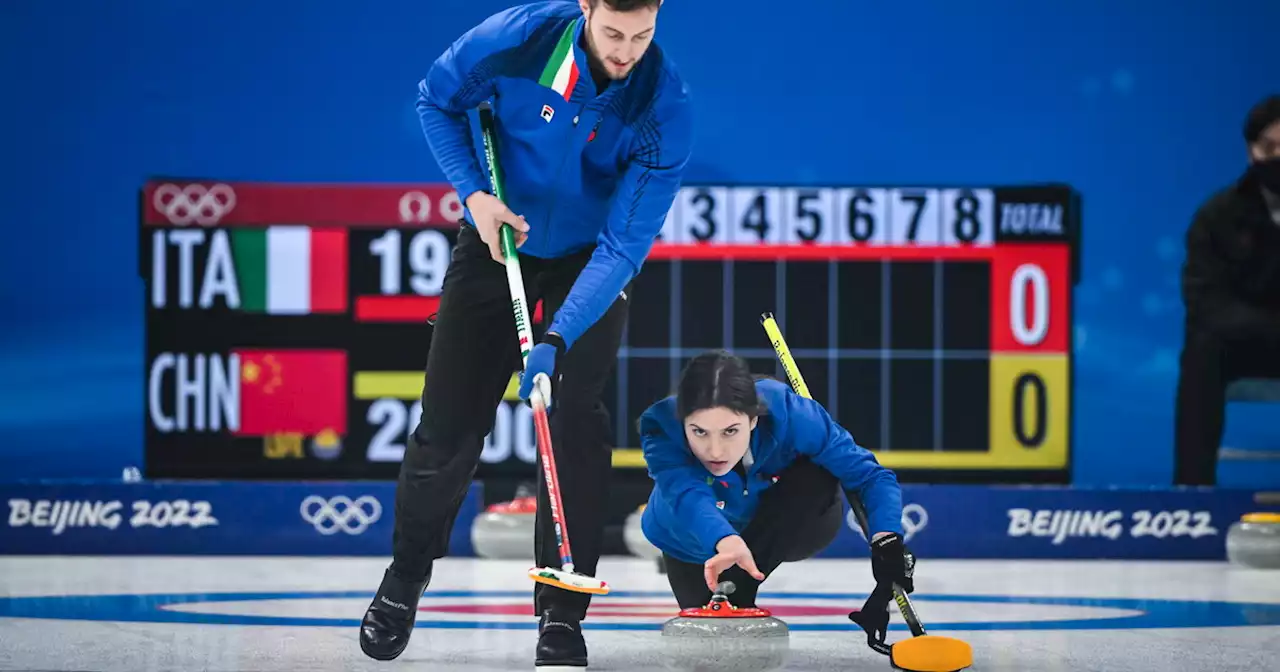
point(602, 69)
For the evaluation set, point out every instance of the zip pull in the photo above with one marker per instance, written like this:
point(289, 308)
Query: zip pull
point(595, 128)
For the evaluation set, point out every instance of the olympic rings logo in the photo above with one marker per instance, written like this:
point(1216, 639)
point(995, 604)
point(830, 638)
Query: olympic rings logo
point(415, 207)
point(194, 203)
point(341, 513)
point(914, 519)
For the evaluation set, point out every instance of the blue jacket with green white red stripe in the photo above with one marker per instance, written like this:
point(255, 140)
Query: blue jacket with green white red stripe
point(582, 166)
point(690, 510)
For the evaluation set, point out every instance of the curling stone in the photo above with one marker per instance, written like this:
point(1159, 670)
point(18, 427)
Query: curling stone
point(633, 537)
point(720, 619)
point(1254, 541)
point(705, 654)
point(505, 530)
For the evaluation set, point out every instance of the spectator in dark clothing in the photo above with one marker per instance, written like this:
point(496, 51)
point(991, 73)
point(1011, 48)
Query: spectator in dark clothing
point(1231, 288)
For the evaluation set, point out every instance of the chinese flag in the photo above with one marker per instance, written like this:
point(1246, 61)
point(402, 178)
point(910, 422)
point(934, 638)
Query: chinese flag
point(292, 391)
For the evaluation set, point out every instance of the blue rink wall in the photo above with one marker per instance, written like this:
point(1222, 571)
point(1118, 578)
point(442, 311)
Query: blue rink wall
point(1109, 97)
point(356, 518)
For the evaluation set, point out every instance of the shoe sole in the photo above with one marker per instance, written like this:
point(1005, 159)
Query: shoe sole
point(384, 657)
point(544, 665)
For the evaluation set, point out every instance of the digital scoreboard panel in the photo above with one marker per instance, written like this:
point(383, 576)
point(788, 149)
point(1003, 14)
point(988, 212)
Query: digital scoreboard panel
point(287, 324)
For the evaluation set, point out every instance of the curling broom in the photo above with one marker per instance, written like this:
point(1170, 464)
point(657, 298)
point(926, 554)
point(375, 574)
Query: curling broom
point(563, 577)
point(923, 652)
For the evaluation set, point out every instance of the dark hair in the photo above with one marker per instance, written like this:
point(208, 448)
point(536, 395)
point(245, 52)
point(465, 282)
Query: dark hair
point(1265, 113)
point(718, 378)
point(628, 5)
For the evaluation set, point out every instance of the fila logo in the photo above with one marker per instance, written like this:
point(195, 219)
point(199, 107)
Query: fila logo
point(547, 113)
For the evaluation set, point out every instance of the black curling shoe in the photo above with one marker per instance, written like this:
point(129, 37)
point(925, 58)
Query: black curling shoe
point(384, 632)
point(560, 643)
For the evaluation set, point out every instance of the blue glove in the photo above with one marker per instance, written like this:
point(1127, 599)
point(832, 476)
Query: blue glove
point(542, 359)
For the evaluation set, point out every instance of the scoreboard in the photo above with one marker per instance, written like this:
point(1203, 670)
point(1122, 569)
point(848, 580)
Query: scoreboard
point(287, 325)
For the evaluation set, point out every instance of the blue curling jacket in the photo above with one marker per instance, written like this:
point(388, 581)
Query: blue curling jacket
point(683, 517)
point(582, 166)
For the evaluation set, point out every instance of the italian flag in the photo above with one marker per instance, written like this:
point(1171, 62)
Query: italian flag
point(291, 270)
point(561, 73)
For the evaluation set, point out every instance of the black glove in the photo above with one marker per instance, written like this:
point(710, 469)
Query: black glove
point(874, 618)
point(892, 563)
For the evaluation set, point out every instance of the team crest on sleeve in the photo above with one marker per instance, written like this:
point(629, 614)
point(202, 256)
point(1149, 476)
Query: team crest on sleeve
point(547, 113)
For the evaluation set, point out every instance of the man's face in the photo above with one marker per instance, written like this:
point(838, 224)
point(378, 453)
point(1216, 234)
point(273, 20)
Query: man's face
point(617, 40)
point(1267, 146)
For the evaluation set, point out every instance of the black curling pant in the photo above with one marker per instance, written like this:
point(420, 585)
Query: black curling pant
point(472, 356)
point(797, 517)
point(1210, 362)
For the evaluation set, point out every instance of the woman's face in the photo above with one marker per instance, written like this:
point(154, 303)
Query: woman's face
point(718, 437)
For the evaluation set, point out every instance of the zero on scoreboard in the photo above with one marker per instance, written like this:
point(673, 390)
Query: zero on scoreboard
point(287, 325)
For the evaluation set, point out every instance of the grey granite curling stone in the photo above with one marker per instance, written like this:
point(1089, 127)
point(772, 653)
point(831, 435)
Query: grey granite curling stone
point(505, 531)
point(1254, 541)
point(703, 654)
point(633, 536)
